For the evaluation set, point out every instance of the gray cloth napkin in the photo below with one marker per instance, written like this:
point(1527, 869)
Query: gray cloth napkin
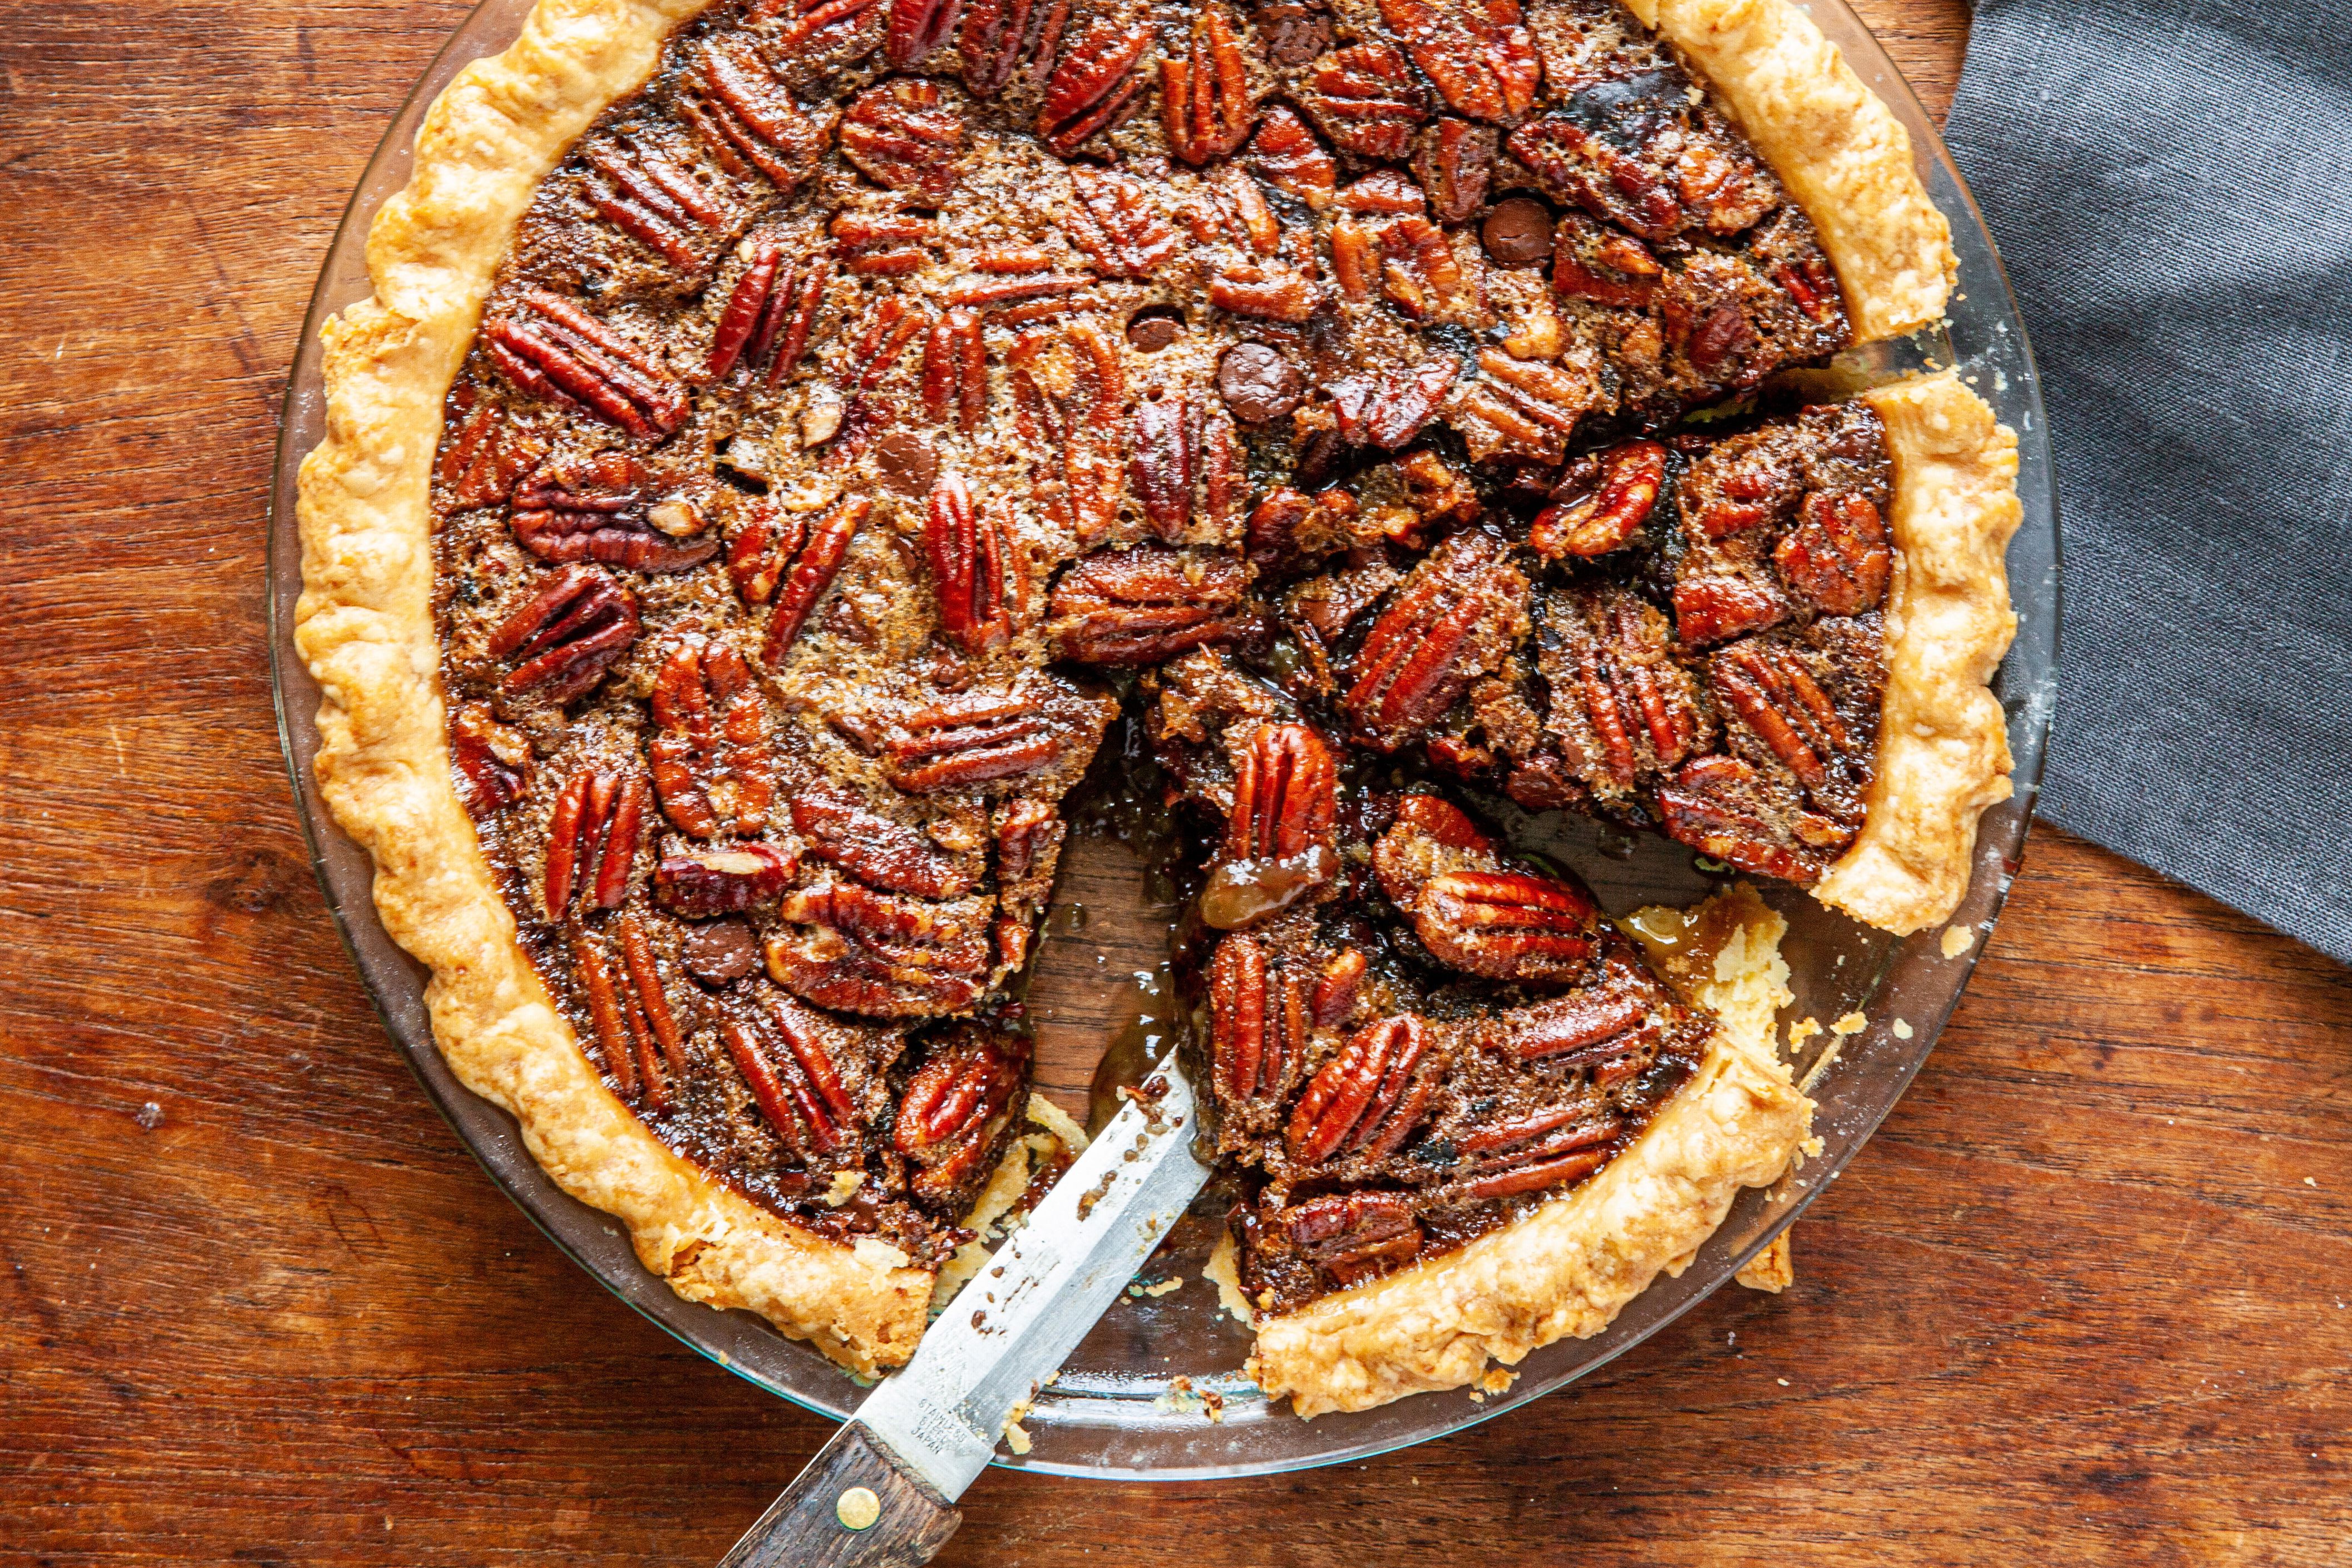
point(2170, 184)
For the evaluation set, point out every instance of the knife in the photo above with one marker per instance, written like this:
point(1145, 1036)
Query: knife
point(883, 1490)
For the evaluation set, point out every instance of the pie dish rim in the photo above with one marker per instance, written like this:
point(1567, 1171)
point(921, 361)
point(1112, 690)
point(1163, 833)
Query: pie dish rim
point(573, 50)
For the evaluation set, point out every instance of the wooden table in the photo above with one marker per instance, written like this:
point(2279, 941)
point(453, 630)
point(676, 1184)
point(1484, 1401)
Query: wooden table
point(2087, 1298)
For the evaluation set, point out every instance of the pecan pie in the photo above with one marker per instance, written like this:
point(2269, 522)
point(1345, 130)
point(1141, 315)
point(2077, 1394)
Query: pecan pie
point(790, 434)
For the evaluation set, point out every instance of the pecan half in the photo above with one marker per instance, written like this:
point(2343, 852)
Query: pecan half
point(1081, 432)
point(1355, 1236)
point(791, 558)
point(1180, 446)
point(1289, 528)
point(1837, 557)
point(1367, 99)
point(882, 244)
point(955, 373)
point(1286, 795)
point(699, 883)
point(1542, 1149)
point(1093, 84)
point(1280, 838)
point(1204, 100)
point(564, 636)
point(998, 37)
point(592, 833)
point(975, 738)
point(770, 313)
point(745, 116)
point(551, 348)
point(1783, 705)
point(1286, 154)
point(1506, 925)
point(483, 458)
point(653, 200)
point(1622, 705)
point(711, 761)
point(1458, 615)
point(492, 761)
point(595, 509)
point(1029, 834)
point(1114, 220)
point(890, 328)
point(1592, 261)
point(955, 1109)
point(905, 135)
point(878, 852)
point(1602, 502)
point(1147, 604)
point(1249, 222)
point(1387, 411)
point(1258, 1024)
point(1419, 273)
point(1455, 160)
point(785, 1058)
point(1613, 1015)
point(849, 947)
point(1269, 293)
point(1367, 1100)
point(1734, 811)
point(1522, 408)
point(975, 569)
point(637, 1033)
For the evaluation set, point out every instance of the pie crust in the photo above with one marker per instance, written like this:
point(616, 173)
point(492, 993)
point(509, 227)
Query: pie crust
point(365, 628)
point(1943, 741)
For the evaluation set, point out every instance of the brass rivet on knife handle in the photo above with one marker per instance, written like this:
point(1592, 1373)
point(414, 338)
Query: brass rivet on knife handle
point(854, 1506)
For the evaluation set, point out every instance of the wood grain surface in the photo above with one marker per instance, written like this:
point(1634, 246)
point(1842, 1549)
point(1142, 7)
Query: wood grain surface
point(2086, 1299)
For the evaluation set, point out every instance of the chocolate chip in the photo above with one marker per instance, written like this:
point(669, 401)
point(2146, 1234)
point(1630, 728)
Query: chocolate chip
point(906, 462)
point(719, 951)
point(1152, 330)
point(1259, 384)
point(1519, 229)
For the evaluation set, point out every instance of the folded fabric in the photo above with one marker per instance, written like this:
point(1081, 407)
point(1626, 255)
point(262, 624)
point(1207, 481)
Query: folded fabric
point(2171, 187)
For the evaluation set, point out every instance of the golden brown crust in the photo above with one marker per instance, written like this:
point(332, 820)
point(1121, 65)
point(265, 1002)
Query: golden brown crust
point(365, 628)
point(1566, 1270)
point(1943, 743)
point(1840, 151)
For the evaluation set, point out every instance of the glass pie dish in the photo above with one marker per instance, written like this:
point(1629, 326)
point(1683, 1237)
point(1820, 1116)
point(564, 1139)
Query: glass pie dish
point(1128, 1402)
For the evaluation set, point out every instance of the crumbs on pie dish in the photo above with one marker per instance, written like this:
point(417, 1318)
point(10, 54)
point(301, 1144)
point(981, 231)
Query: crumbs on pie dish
point(787, 445)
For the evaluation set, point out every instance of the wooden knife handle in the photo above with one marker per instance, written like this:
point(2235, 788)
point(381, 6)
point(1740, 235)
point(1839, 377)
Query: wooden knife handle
point(854, 1506)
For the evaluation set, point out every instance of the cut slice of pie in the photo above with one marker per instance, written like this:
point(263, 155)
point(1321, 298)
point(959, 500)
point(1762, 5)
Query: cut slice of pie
point(786, 440)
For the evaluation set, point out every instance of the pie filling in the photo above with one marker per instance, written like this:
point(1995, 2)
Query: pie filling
point(889, 392)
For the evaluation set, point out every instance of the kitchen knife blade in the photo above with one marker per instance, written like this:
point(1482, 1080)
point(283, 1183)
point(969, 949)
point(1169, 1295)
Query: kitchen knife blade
point(883, 1489)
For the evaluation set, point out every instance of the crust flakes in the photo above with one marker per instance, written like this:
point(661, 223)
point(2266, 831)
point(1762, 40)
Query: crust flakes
point(1567, 1268)
point(1840, 151)
point(1943, 743)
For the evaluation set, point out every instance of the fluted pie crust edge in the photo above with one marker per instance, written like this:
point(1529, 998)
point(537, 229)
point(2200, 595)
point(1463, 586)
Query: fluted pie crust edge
point(1943, 740)
point(365, 626)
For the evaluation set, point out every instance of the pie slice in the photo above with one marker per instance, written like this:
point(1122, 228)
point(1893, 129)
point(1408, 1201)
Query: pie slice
point(785, 442)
